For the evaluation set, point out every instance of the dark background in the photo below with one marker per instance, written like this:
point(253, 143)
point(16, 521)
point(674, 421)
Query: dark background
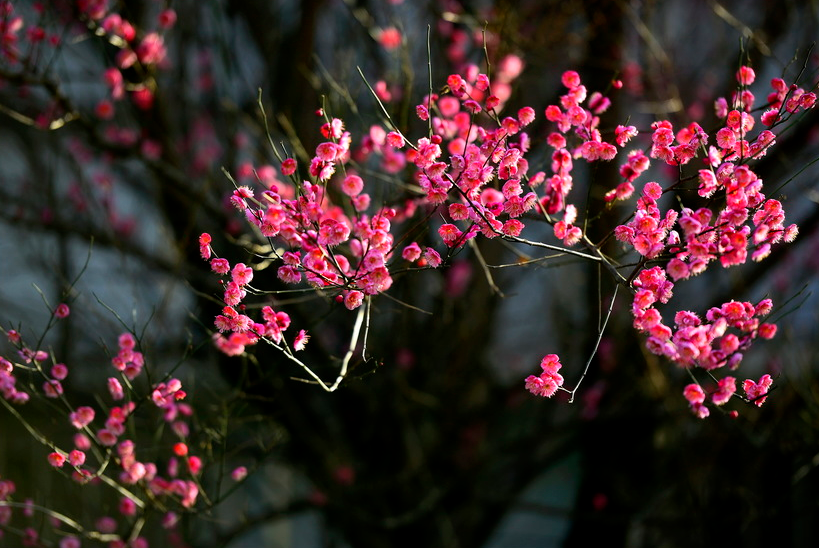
point(433, 441)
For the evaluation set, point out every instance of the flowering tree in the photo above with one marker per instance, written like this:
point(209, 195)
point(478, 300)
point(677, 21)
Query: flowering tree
point(335, 242)
point(316, 233)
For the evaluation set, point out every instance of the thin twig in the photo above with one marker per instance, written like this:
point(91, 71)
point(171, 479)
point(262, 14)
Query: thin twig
point(564, 250)
point(362, 312)
point(485, 267)
point(596, 344)
point(429, 73)
point(366, 328)
point(95, 535)
point(392, 124)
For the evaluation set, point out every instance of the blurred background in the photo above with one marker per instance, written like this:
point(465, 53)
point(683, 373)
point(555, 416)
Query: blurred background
point(433, 440)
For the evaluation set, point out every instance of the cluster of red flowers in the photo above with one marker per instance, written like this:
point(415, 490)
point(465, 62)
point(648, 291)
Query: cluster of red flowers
point(472, 168)
point(93, 449)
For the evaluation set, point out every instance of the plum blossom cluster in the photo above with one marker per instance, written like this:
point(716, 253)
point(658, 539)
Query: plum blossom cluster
point(102, 447)
point(242, 330)
point(7, 489)
point(716, 342)
point(19, 38)
point(333, 242)
point(24, 41)
point(483, 179)
point(136, 51)
point(747, 225)
point(485, 182)
point(549, 381)
point(35, 362)
point(479, 190)
point(473, 173)
point(755, 392)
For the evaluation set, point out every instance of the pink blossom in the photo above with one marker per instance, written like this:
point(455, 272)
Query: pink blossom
point(390, 38)
point(623, 134)
point(598, 103)
point(126, 341)
point(353, 299)
point(526, 116)
point(169, 520)
point(767, 330)
point(82, 442)
point(166, 18)
point(240, 196)
point(432, 257)
point(106, 437)
point(59, 371)
point(549, 380)
point(76, 458)
point(116, 25)
point(556, 141)
point(106, 524)
point(745, 76)
point(721, 107)
point(361, 202)
point(142, 97)
point(455, 83)
point(540, 386)
point(194, 465)
point(56, 459)
point(653, 191)
point(62, 311)
point(472, 106)
point(450, 234)
point(570, 79)
point(151, 50)
point(81, 417)
point(52, 388)
point(127, 507)
point(242, 274)
point(726, 138)
point(727, 388)
point(763, 308)
point(70, 541)
point(411, 252)
point(512, 227)
point(756, 391)
point(332, 232)
point(301, 340)
point(700, 410)
point(327, 152)
point(352, 185)
point(289, 274)
point(220, 266)
point(115, 389)
point(204, 245)
point(288, 167)
point(395, 139)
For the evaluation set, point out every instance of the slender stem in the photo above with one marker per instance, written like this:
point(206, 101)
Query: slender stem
point(552, 247)
point(485, 267)
point(366, 328)
point(429, 73)
point(596, 344)
point(102, 537)
point(362, 312)
point(393, 125)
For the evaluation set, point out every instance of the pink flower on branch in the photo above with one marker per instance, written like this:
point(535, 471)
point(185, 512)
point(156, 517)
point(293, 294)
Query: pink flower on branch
point(549, 381)
point(472, 169)
point(757, 391)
